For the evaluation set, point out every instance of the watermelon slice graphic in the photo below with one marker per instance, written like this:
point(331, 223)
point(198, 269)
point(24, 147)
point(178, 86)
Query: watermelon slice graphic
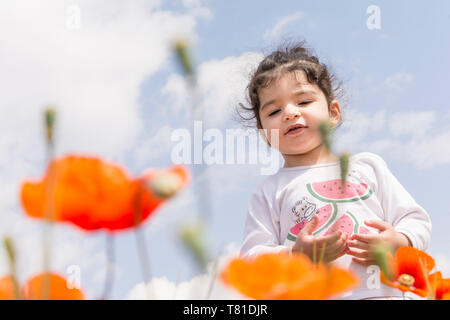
point(326, 215)
point(333, 191)
point(347, 224)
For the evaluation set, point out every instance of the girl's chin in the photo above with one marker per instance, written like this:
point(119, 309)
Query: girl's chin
point(291, 153)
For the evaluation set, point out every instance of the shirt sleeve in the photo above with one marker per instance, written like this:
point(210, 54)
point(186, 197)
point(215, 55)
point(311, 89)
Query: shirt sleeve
point(262, 227)
point(400, 208)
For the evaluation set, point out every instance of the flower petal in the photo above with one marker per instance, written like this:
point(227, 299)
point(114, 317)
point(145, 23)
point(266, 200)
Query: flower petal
point(59, 289)
point(7, 288)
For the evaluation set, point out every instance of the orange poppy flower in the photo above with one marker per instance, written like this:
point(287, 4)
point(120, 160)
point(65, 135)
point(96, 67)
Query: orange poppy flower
point(58, 288)
point(285, 277)
point(440, 287)
point(7, 288)
point(411, 268)
point(94, 194)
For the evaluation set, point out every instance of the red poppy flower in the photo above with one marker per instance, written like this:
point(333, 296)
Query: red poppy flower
point(94, 194)
point(411, 269)
point(440, 287)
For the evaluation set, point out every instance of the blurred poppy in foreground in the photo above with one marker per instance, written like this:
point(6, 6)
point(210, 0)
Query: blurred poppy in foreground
point(94, 194)
point(410, 270)
point(7, 288)
point(58, 288)
point(281, 276)
point(440, 287)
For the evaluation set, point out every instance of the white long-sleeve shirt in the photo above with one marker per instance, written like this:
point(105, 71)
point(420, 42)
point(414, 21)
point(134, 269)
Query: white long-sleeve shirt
point(284, 202)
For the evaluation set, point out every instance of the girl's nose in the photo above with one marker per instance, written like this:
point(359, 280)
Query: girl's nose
point(291, 112)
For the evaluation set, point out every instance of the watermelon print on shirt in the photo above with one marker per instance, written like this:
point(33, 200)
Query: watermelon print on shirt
point(334, 192)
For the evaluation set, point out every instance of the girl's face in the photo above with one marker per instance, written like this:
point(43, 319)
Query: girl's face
point(296, 108)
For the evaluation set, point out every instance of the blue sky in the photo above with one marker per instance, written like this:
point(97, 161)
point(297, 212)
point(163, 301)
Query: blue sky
point(118, 84)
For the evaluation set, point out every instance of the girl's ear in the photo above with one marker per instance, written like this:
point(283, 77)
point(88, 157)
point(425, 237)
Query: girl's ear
point(335, 113)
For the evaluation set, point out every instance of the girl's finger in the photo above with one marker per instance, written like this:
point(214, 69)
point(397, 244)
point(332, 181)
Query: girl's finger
point(336, 252)
point(334, 255)
point(358, 244)
point(358, 253)
point(337, 246)
point(378, 224)
point(367, 238)
point(364, 261)
point(329, 239)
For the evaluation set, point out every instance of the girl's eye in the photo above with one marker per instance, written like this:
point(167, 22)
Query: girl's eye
point(304, 103)
point(273, 112)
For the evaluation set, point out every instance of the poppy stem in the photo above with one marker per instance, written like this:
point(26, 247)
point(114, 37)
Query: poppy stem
point(46, 261)
point(140, 238)
point(49, 121)
point(8, 243)
point(176, 286)
point(47, 229)
point(322, 252)
point(213, 276)
point(314, 251)
point(110, 258)
point(143, 255)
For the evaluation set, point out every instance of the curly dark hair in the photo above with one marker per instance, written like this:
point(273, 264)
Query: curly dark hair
point(286, 59)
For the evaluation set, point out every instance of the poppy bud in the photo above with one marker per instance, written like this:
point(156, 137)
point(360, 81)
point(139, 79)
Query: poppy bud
point(166, 185)
point(50, 115)
point(181, 50)
point(325, 132)
point(344, 163)
point(381, 252)
point(192, 236)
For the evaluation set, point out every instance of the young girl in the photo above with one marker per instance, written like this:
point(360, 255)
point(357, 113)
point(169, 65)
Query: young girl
point(304, 205)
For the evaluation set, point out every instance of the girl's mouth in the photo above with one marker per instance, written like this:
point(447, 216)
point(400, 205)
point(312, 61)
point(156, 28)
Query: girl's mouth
point(294, 129)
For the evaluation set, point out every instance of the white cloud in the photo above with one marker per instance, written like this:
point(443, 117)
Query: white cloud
point(91, 74)
point(427, 152)
point(154, 146)
point(356, 126)
point(410, 137)
point(177, 92)
point(281, 24)
point(196, 8)
point(222, 84)
point(411, 123)
point(399, 80)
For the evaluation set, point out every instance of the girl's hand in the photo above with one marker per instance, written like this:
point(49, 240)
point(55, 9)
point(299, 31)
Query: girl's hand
point(333, 246)
point(360, 245)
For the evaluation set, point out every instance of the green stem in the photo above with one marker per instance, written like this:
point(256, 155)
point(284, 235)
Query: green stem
point(314, 251)
point(8, 243)
point(48, 220)
point(322, 252)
